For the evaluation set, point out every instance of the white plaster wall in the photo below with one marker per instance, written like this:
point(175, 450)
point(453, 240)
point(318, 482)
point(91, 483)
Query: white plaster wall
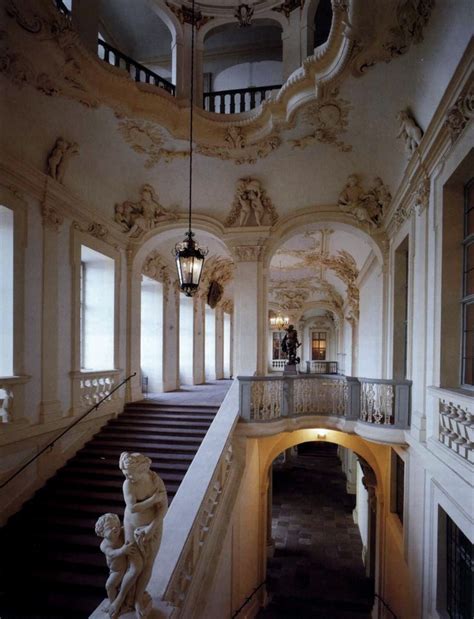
point(370, 324)
point(347, 352)
point(248, 74)
point(33, 314)
point(64, 325)
point(362, 509)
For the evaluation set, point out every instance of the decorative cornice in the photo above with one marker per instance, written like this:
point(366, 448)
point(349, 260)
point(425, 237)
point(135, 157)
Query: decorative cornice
point(95, 229)
point(461, 112)
point(30, 181)
point(288, 6)
point(51, 217)
point(185, 15)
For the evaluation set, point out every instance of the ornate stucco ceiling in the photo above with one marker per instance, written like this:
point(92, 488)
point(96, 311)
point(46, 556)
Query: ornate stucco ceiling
point(317, 267)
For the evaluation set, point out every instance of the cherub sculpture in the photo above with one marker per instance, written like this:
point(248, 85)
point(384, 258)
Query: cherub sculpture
point(123, 560)
point(409, 131)
point(131, 551)
point(59, 157)
point(251, 200)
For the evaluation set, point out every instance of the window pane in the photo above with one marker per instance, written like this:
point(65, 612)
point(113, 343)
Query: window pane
point(459, 573)
point(6, 291)
point(469, 269)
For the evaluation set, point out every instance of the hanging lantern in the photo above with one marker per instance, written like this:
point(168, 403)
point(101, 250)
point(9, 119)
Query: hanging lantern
point(188, 255)
point(189, 262)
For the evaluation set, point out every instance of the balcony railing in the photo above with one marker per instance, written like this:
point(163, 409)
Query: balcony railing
point(238, 100)
point(377, 402)
point(321, 367)
point(136, 70)
point(62, 8)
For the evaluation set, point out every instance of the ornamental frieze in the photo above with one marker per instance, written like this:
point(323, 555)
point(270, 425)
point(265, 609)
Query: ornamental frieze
point(404, 26)
point(238, 150)
point(329, 119)
point(147, 139)
point(461, 113)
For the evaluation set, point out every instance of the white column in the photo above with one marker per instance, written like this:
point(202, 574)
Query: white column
point(250, 328)
point(170, 336)
point(85, 19)
point(291, 40)
point(219, 342)
point(50, 406)
point(199, 340)
point(181, 66)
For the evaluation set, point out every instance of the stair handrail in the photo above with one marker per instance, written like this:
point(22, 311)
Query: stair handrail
point(247, 600)
point(74, 423)
point(377, 596)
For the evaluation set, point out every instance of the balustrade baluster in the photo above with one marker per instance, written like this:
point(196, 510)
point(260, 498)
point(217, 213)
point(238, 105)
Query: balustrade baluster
point(232, 103)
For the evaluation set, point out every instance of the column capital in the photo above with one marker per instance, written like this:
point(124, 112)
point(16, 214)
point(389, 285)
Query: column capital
point(248, 253)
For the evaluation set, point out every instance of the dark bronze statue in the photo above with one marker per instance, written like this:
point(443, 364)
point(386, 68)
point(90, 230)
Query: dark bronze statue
point(290, 344)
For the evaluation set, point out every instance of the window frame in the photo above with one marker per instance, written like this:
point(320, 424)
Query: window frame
point(467, 299)
point(80, 238)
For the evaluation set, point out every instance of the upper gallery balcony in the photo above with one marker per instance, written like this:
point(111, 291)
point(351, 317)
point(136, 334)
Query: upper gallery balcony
point(243, 54)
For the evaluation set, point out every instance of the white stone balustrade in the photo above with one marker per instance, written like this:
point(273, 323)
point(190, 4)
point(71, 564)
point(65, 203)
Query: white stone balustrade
point(456, 427)
point(88, 388)
point(322, 367)
point(376, 402)
point(11, 397)
point(278, 364)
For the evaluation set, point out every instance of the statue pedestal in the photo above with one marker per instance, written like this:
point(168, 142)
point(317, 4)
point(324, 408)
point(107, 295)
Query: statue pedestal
point(160, 610)
point(290, 369)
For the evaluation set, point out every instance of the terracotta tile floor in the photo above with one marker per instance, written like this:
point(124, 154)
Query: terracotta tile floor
point(317, 569)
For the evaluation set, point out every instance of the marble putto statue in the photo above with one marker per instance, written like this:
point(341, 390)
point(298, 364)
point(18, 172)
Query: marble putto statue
point(130, 550)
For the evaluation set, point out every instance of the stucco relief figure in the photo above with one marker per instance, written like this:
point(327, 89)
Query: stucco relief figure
point(59, 158)
point(290, 344)
point(377, 201)
point(366, 206)
point(410, 132)
point(250, 203)
point(146, 503)
point(135, 218)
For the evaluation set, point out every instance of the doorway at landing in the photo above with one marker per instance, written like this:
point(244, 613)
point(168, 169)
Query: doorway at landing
point(317, 569)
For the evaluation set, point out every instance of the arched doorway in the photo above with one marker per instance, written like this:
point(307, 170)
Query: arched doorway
point(321, 525)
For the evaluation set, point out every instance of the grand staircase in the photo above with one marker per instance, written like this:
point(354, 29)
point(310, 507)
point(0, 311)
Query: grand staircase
point(51, 565)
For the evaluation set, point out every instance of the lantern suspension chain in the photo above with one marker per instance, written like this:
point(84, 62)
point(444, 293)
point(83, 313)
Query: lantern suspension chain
point(191, 101)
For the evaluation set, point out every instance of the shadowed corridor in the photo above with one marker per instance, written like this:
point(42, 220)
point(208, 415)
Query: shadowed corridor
point(317, 570)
